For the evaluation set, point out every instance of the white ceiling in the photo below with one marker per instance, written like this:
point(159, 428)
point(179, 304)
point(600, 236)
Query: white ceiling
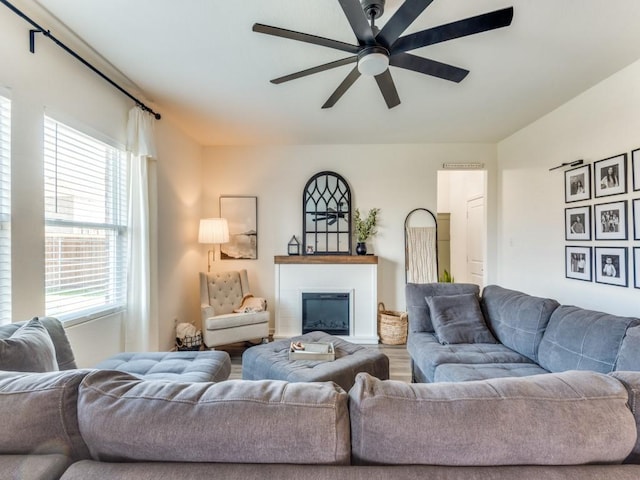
point(199, 64)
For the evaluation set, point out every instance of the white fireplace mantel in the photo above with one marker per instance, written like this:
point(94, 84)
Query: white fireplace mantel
point(330, 273)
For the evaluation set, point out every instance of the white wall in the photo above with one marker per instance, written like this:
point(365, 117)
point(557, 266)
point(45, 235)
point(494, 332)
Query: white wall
point(394, 178)
point(602, 122)
point(50, 81)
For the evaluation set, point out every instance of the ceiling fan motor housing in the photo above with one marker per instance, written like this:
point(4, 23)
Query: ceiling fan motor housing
point(373, 8)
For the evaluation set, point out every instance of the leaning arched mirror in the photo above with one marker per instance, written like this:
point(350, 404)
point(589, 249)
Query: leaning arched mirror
point(420, 246)
point(326, 215)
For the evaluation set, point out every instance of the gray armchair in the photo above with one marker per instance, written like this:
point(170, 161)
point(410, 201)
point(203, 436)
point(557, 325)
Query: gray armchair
point(230, 314)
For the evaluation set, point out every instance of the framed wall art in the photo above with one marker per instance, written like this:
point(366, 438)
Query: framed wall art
point(577, 223)
point(610, 176)
point(611, 265)
point(242, 216)
point(577, 184)
point(636, 267)
point(610, 220)
point(636, 219)
point(578, 263)
point(635, 161)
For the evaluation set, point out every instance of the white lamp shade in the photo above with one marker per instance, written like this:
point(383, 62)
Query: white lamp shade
point(213, 231)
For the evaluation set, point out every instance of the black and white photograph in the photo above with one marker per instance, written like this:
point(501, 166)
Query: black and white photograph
point(610, 176)
point(578, 263)
point(635, 160)
point(610, 220)
point(577, 184)
point(242, 216)
point(577, 223)
point(636, 267)
point(611, 265)
point(636, 219)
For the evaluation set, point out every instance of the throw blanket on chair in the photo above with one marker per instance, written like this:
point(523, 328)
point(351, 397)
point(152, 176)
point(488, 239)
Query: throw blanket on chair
point(251, 304)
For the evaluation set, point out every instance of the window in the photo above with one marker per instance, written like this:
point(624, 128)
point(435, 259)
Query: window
point(5, 210)
point(85, 224)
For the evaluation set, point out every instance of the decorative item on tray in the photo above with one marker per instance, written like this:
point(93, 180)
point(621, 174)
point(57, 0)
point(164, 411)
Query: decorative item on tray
point(317, 351)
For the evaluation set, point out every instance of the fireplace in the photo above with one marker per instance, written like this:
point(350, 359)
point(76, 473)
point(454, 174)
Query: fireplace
point(327, 312)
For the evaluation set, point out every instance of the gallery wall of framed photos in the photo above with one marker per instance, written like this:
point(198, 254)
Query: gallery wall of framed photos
point(602, 221)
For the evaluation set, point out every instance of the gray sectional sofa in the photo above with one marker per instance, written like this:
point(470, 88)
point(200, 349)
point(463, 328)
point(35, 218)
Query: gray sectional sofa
point(454, 335)
point(83, 425)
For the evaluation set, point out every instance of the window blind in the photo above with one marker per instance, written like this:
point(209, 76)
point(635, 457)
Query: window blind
point(5, 210)
point(85, 224)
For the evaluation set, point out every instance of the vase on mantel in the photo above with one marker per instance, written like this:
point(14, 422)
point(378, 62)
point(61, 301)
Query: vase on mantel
point(361, 248)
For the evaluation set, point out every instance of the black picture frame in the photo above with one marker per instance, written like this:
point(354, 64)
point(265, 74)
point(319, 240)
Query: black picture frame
point(241, 213)
point(635, 163)
point(636, 267)
point(636, 218)
point(578, 263)
point(610, 265)
point(577, 223)
point(610, 176)
point(577, 184)
point(610, 220)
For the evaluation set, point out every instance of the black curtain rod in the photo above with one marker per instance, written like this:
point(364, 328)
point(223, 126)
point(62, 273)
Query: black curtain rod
point(48, 34)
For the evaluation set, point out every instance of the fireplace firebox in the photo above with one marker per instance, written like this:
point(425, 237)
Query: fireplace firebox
point(326, 311)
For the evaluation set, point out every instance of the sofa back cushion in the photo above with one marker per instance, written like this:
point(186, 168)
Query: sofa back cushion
point(28, 349)
point(417, 308)
point(631, 380)
point(579, 339)
point(123, 418)
point(39, 413)
point(64, 354)
point(570, 418)
point(517, 320)
point(629, 354)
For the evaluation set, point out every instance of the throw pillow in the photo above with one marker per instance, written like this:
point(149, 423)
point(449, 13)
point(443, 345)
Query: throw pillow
point(458, 319)
point(29, 349)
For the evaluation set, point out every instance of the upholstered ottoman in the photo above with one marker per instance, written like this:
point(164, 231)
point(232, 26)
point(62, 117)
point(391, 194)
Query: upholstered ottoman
point(186, 366)
point(271, 361)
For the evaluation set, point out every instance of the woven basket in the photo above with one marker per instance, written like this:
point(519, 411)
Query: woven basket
point(392, 326)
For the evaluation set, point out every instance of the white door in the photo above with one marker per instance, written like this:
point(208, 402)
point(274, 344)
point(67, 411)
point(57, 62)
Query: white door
point(475, 241)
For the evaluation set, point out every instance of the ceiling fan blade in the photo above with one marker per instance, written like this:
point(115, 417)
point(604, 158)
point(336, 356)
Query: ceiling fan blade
point(358, 21)
point(343, 87)
point(318, 69)
point(388, 89)
point(305, 37)
point(398, 23)
point(461, 28)
point(428, 67)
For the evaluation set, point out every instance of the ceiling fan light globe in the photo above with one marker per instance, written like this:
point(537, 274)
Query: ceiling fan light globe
point(373, 64)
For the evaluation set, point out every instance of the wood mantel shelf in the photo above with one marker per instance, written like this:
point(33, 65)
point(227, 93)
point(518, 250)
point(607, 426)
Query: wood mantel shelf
point(325, 259)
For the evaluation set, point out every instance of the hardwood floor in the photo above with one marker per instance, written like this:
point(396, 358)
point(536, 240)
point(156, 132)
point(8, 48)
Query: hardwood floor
point(399, 364)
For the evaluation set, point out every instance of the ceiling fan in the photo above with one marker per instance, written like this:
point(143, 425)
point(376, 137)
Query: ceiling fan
point(379, 48)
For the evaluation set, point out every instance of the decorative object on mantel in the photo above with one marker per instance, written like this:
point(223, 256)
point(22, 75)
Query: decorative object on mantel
point(326, 215)
point(293, 247)
point(365, 229)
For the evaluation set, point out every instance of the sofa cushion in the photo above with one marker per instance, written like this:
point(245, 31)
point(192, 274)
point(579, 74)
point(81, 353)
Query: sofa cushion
point(28, 349)
point(458, 319)
point(456, 372)
point(40, 413)
point(64, 354)
point(419, 318)
point(629, 354)
point(579, 339)
point(427, 353)
point(631, 381)
point(123, 418)
point(516, 319)
point(33, 467)
point(570, 418)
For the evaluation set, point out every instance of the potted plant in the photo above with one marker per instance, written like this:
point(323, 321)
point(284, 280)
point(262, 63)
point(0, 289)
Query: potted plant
point(364, 229)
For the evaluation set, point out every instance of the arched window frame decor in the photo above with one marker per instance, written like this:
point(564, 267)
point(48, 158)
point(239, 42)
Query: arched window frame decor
point(326, 215)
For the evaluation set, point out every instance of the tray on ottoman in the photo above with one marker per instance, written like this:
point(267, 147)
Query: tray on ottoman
point(317, 351)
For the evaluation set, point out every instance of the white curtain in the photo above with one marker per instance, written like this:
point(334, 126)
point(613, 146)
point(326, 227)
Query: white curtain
point(421, 255)
point(139, 323)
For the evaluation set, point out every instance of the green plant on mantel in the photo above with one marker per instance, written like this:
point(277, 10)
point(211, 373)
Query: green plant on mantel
point(365, 228)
